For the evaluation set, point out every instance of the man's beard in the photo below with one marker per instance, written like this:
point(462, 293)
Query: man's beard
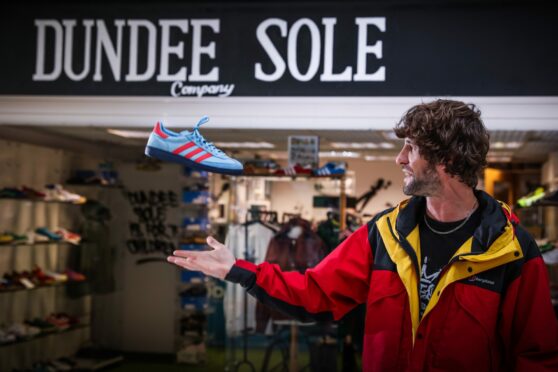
point(426, 184)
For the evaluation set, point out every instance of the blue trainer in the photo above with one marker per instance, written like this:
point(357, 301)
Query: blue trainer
point(190, 149)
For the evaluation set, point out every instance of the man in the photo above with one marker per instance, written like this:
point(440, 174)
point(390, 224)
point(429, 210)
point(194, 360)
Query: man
point(450, 281)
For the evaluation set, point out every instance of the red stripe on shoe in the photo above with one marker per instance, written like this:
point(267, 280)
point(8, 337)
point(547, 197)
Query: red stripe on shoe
point(203, 157)
point(186, 146)
point(192, 153)
point(159, 132)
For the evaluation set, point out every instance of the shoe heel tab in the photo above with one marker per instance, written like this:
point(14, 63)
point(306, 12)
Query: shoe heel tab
point(158, 130)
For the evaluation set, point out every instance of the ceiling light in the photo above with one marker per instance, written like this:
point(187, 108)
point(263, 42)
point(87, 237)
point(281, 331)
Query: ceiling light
point(506, 145)
point(387, 145)
point(339, 154)
point(129, 133)
point(245, 145)
point(499, 159)
point(354, 145)
point(379, 158)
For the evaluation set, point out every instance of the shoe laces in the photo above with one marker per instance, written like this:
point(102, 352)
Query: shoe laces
point(209, 145)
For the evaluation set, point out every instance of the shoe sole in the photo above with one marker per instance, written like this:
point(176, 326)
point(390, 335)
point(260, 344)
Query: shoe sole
point(166, 156)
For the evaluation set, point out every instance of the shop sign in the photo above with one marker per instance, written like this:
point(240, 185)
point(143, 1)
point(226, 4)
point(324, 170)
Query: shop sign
point(312, 50)
point(304, 150)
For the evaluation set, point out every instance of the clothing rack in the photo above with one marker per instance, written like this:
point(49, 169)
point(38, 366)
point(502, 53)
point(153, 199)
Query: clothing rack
point(252, 217)
point(255, 216)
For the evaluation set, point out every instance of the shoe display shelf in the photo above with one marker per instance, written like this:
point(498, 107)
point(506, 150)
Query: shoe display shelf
point(192, 290)
point(18, 305)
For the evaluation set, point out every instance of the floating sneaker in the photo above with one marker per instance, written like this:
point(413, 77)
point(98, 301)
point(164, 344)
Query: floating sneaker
point(56, 193)
point(190, 149)
point(331, 168)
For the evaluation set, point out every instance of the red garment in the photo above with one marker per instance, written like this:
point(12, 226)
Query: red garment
point(299, 254)
point(490, 311)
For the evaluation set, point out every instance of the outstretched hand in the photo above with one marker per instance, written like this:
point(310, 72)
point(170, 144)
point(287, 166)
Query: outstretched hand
point(217, 262)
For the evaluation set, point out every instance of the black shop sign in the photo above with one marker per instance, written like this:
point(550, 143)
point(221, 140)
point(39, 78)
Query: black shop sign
point(184, 50)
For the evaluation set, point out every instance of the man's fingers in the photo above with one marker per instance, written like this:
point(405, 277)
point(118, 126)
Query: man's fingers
point(214, 243)
point(182, 262)
point(186, 254)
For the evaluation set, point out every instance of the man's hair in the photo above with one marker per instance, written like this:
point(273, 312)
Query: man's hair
point(450, 133)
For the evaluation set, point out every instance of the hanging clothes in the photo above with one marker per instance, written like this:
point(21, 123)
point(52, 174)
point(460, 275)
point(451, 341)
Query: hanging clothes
point(291, 254)
point(259, 236)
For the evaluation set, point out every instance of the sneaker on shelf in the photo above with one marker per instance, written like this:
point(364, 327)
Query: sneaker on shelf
point(12, 193)
point(58, 277)
point(55, 192)
point(6, 238)
point(32, 238)
point(23, 331)
point(74, 276)
point(69, 236)
point(48, 233)
point(60, 322)
point(6, 337)
point(17, 238)
point(42, 277)
point(294, 170)
point(531, 198)
point(32, 193)
point(43, 325)
point(190, 149)
point(331, 168)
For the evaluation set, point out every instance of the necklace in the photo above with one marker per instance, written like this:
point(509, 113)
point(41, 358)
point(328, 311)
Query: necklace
point(455, 228)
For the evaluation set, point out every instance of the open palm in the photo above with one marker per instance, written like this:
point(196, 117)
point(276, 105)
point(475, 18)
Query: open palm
point(216, 262)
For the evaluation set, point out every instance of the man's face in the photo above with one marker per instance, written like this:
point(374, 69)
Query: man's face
point(421, 178)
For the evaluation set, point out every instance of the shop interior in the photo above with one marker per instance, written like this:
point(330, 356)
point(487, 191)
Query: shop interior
point(87, 221)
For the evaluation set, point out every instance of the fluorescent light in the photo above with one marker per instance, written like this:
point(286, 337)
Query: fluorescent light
point(506, 145)
point(129, 133)
point(362, 145)
point(245, 145)
point(339, 154)
point(379, 158)
point(498, 159)
point(354, 145)
point(387, 145)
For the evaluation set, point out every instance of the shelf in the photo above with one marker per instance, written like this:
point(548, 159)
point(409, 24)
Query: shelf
point(46, 334)
point(278, 176)
point(542, 203)
point(40, 201)
point(95, 185)
point(62, 242)
point(55, 285)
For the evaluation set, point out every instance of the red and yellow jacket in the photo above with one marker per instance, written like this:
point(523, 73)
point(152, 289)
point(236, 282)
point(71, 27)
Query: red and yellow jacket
point(490, 311)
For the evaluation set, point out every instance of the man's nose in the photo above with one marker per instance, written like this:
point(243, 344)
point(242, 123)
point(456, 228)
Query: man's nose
point(401, 158)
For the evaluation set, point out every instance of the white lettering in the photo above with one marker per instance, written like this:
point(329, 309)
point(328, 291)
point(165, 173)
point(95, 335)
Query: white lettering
point(40, 74)
point(198, 50)
point(133, 74)
point(178, 89)
point(364, 49)
point(328, 74)
point(315, 42)
point(105, 44)
point(69, 25)
point(167, 49)
point(272, 53)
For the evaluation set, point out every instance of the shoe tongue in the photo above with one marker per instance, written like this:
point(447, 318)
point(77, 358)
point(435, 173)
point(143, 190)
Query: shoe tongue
point(185, 132)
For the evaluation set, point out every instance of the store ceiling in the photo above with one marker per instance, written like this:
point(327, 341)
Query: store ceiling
point(534, 146)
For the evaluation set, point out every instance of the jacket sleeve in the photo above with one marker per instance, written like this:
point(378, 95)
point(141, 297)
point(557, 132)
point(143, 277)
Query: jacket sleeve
point(325, 292)
point(528, 326)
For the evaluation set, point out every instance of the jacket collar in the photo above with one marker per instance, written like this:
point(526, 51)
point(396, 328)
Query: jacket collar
point(493, 219)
